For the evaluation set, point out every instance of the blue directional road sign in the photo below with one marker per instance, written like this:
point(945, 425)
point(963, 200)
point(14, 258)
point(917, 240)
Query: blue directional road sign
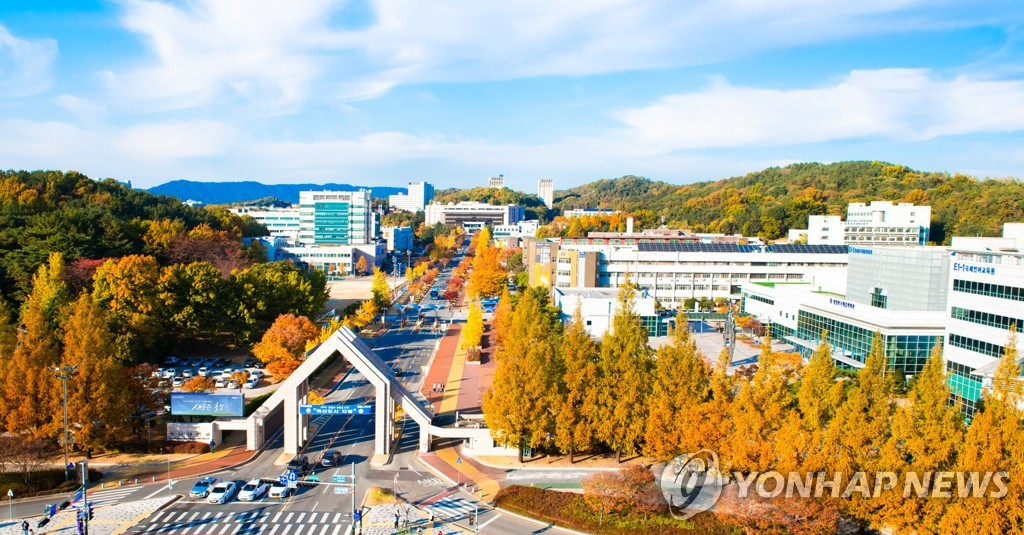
point(331, 409)
point(337, 478)
point(293, 475)
point(283, 479)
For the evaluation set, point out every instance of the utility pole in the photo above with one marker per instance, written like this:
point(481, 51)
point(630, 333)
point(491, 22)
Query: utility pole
point(64, 373)
point(85, 498)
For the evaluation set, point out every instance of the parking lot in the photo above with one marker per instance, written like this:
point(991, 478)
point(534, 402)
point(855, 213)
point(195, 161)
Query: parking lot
point(175, 371)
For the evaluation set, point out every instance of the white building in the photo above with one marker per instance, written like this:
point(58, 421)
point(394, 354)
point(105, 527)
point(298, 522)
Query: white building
point(336, 261)
point(877, 223)
point(279, 221)
point(986, 297)
point(546, 191)
point(674, 272)
point(522, 229)
point(496, 182)
point(468, 212)
point(335, 218)
point(397, 238)
point(420, 194)
point(598, 306)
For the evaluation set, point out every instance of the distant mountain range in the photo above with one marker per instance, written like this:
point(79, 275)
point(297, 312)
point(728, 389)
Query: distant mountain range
point(233, 192)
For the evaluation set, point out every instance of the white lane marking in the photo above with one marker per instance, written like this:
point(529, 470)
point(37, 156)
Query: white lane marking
point(157, 516)
point(193, 517)
point(276, 517)
point(324, 531)
point(337, 518)
point(338, 528)
point(288, 519)
point(314, 506)
point(493, 518)
point(299, 520)
point(287, 528)
point(274, 528)
point(226, 528)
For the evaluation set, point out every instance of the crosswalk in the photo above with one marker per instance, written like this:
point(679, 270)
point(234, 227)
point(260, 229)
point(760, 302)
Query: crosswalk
point(99, 498)
point(254, 522)
point(431, 482)
point(451, 507)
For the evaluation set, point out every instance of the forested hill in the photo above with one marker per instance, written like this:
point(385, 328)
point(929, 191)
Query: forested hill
point(767, 203)
point(232, 192)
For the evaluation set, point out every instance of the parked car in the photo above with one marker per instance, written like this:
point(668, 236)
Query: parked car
point(253, 490)
point(256, 374)
point(300, 464)
point(223, 492)
point(178, 381)
point(232, 385)
point(249, 362)
point(259, 364)
point(202, 487)
point(171, 361)
point(222, 362)
point(331, 458)
point(278, 490)
point(159, 373)
point(221, 383)
point(169, 373)
point(251, 383)
point(203, 372)
point(186, 373)
point(210, 362)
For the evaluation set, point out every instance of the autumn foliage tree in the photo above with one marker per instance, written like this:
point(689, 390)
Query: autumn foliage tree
point(283, 346)
point(575, 426)
point(473, 332)
point(198, 384)
point(631, 488)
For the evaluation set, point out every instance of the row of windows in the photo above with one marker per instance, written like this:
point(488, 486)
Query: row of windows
point(986, 318)
point(764, 300)
point(990, 290)
point(964, 388)
point(904, 352)
point(977, 346)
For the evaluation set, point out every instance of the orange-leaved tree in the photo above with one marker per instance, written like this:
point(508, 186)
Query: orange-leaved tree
point(630, 488)
point(198, 384)
point(283, 346)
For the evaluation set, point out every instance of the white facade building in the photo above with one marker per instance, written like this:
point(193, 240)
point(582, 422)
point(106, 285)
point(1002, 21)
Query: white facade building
point(598, 306)
point(986, 297)
point(522, 229)
point(420, 194)
point(674, 272)
point(473, 212)
point(496, 182)
point(279, 221)
point(335, 218)
point(580, 212)
point(877, 223)
point(546, 191)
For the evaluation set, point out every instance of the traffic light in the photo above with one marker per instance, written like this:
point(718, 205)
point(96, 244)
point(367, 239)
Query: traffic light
point(90, 513)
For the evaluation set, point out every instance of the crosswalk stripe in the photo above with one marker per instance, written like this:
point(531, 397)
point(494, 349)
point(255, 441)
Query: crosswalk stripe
point(288, 519)
point(337, 518)
point(276, 517)
point(158, 515)
point(299, 520)
point(324, 531)
point(274, 528)
point(287, 528)
point(337, 529)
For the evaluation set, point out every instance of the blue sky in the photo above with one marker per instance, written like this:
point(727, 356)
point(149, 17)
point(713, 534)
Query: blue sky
point(380, 92)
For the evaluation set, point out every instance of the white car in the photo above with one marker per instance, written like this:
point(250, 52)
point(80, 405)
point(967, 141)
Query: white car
point(187, 373)
point(278, 490)
point(221, 383)
point(203, 372)
point(253, 490)
point(169, 373)
point(178, 381)
point(222, 492)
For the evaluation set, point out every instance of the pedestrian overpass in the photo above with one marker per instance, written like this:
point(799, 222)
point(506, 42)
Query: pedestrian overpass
point(389, 393)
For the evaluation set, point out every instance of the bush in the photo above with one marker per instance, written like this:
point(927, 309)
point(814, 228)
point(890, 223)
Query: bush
point(254, 403)
point(42, 482)
point(570, 510)
point(189, 447)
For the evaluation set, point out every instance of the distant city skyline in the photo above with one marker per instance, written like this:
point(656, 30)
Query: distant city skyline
point(382, 93)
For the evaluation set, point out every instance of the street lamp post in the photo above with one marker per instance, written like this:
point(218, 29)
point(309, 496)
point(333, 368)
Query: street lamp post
point(64, 373)
point(10, 502)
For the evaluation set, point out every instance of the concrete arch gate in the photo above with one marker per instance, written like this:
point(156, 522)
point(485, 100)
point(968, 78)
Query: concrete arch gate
point(294, 391)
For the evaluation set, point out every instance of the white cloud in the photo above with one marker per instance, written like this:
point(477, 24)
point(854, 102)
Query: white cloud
point(84, 109)
point(279, 57)
point(25, 64)
point(906, 104)
point(177, 139)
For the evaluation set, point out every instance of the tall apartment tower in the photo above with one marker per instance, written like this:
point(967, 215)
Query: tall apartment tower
point(335, 218)
point(546, 191)
point(420, 195)
point(496, 182)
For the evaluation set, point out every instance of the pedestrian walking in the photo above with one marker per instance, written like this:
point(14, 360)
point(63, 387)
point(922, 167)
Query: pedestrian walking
point(396, 520)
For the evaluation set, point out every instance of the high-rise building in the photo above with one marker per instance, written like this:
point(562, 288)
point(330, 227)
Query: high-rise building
point(419, 196)
point(397, 238)
point(335, 217)
point(546, 191)
point(496, 182)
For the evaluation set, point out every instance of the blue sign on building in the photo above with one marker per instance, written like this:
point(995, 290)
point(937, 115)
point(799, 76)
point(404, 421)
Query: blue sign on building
point(199, 404)
point(331, 409)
